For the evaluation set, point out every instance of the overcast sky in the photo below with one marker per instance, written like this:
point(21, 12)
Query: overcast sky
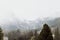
point(29, 9)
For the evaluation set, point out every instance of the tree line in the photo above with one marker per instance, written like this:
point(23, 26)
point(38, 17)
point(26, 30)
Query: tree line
point(45, 34)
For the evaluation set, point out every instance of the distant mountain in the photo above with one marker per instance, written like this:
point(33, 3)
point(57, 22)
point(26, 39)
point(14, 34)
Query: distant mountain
point(29, 25)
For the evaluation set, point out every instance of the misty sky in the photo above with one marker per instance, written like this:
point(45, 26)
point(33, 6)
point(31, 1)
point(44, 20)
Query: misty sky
point(29, 9)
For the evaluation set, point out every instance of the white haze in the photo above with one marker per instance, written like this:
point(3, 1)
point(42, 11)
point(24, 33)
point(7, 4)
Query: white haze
point(28, 9)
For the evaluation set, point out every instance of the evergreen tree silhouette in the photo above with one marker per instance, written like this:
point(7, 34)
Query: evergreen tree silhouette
point(45, 34)
point(57, 34)
point(1, 34)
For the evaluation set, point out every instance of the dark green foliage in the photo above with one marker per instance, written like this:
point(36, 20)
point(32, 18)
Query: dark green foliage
point(57, 34)
point(45, 34)
point(1, 34)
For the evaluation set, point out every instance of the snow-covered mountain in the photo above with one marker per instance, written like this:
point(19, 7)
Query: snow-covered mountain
point(29, 25)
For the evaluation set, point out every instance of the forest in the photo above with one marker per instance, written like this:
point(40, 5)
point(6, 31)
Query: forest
point(45, 34)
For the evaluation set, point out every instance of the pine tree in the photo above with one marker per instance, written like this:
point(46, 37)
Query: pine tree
point(1, 34)
point(45, 34)
point(57, 34)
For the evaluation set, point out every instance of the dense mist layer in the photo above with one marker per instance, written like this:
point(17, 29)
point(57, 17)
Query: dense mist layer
point(29, 24)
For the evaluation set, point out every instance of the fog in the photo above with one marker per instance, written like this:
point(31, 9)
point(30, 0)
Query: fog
point(29, 9)
point(24, 19)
